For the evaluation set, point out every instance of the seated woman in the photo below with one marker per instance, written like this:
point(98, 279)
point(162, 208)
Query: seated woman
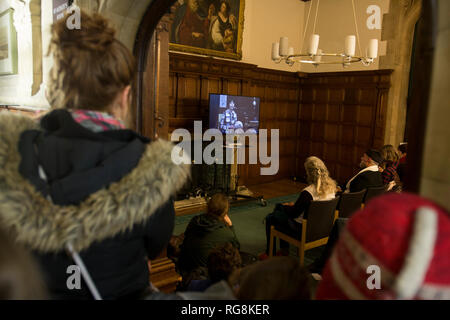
point(389, 166)
point(287, 217)
point(204, 233)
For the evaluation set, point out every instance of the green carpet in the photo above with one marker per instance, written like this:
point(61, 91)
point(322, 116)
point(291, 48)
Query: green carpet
point(249, 227)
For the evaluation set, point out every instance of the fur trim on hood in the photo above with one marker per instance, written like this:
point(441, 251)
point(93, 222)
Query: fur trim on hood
point(46, 227)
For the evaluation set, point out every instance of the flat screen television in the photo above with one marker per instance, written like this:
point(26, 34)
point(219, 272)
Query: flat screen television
point(234, 114)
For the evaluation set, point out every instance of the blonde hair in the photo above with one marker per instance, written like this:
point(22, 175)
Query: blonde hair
point(389, 153)
point(318, 175)
point(90, 67)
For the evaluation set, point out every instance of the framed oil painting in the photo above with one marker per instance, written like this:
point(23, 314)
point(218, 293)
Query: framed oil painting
point(208, 27)
point(8, 43)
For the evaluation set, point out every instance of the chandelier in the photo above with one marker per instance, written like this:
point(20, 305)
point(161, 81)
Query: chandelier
point(282, 52)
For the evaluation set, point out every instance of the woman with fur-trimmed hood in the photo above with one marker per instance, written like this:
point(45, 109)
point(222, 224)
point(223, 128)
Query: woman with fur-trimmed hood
point(79, 176)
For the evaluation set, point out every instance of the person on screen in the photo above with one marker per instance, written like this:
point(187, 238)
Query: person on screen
point(228, 119)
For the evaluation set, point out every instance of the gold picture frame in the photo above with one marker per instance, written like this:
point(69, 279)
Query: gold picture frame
point(8, 44)
point(208, 27)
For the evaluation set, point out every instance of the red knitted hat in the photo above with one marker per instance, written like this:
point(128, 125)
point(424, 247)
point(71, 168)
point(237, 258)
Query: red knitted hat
point(402, 240)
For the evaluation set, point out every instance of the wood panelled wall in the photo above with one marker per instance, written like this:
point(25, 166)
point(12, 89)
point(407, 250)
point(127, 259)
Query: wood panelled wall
point(335, 116)
point(193, 78)
point(341, 116)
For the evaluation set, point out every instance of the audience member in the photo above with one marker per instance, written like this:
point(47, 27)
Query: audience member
point(397, 247)
point(369, 176)
point(402, 152)
point(364, 179)
point(288, 217)
point(203, 233)
point(279, 278)
point(217, 291)
point(92, 183)
point(20, 277)
point(389, 166)
point(222, 262)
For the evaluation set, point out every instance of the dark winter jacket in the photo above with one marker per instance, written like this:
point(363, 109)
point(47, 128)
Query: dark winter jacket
point(365, 180)
point(203, 234)
point(107, 193)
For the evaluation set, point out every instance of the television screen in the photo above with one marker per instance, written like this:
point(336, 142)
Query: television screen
point(234, 114)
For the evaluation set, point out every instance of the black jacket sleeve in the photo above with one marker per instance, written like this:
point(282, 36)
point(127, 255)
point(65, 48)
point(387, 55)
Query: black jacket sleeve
point(159, 229)
point(359, 183)
point(300, 205)
point(366, 180)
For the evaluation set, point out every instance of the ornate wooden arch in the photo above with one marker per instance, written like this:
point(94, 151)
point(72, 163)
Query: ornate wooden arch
point(151, 52)
point(151, 92)
point(419, 108)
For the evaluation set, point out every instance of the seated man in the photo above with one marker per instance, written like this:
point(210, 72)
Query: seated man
point(369, 176)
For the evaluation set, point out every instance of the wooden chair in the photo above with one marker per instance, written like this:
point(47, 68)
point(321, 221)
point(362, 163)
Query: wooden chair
point(316, 227)
point(373, 192)
point(350, 203)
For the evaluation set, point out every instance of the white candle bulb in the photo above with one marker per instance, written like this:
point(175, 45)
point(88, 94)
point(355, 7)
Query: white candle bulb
point(318, 57)
point(313, 44)
point(275, 51)
point(350, 45)
point(291, 51)
point(373, 48)
point(284, 46)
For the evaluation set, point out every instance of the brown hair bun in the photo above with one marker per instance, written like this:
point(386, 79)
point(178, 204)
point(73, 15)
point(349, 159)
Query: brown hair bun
point(95, 34)
point(90, 65)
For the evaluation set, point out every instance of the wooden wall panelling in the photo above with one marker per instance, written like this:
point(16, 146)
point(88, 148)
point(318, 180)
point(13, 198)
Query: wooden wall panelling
point(335, 116)
point(341, 115)
point(278, 110)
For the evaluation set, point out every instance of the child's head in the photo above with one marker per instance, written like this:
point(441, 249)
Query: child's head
point(223, 261)
point(218, 206)
point(278, 278)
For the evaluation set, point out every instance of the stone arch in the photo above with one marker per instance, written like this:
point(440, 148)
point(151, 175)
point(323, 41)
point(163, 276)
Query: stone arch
point(125, 16)
point(398, 31)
